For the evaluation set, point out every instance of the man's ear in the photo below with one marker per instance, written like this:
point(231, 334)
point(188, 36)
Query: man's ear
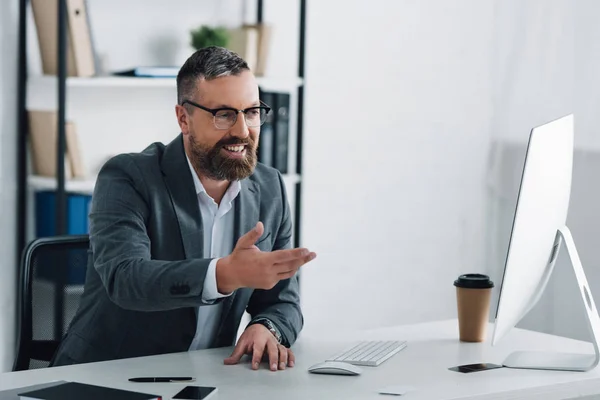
point(182, 119)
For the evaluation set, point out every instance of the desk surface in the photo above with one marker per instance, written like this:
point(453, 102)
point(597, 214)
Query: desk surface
point(432, 349)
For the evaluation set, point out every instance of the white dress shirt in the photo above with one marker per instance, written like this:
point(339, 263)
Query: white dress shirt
point(217, 221)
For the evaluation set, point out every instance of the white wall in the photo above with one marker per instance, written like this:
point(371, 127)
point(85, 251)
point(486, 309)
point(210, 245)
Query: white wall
point(8, 127)
point(398, 113)
point(408, 178)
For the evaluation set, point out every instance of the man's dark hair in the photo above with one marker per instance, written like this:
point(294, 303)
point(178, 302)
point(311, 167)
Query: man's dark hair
point(207, 63)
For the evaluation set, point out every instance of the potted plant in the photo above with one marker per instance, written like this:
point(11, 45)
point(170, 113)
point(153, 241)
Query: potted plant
point(206, 36)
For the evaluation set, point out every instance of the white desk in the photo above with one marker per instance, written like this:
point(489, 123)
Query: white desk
point(432, 348)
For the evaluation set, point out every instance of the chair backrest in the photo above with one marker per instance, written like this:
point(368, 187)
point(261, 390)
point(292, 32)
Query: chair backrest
point(51, 279)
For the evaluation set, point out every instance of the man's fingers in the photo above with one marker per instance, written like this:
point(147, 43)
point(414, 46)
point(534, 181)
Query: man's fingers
point(236, 355)
point(257, 354)
point(273, 354)
point(291, 358)
point(292, 266)
point(283, 356)
point(282, 256)
point(251, 236)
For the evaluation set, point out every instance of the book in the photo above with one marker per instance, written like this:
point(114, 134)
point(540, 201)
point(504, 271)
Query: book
point(13, 394)
point(77, 391)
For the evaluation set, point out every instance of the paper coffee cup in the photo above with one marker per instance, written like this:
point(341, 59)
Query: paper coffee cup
point(473, 292)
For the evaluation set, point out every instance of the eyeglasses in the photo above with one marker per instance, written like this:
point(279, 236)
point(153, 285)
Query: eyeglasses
point(226, 117)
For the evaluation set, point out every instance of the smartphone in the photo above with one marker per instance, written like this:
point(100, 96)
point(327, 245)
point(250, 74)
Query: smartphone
point(196, 393)
point(475, 367)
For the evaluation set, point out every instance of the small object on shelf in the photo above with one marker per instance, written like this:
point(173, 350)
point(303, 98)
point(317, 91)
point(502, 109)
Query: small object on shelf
point(149, 72)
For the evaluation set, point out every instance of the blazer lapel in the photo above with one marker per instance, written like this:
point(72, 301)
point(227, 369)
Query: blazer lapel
point(247, 212)
point(180, 184)
point(247, 208)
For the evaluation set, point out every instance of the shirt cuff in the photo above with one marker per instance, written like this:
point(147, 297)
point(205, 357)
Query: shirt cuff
point(210, 292)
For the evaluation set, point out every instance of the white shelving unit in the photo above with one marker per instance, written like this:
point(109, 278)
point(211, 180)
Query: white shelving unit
point(114, 114)
point(48, 82)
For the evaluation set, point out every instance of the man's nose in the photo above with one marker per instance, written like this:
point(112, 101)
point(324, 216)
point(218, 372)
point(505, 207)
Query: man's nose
point(240, 129)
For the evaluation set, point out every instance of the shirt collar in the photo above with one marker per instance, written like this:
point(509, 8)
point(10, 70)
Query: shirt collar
point(230, 194)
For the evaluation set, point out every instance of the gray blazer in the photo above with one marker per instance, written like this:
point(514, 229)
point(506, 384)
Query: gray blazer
point(145, 272)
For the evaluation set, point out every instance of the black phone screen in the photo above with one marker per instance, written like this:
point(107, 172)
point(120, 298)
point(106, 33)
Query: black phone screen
point(475, 367)
point(195, 392)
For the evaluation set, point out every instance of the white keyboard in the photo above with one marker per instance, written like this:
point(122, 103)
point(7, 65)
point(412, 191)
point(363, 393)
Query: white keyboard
point(369, 353)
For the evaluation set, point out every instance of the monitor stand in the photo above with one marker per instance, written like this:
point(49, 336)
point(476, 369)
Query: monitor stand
point(566, 361)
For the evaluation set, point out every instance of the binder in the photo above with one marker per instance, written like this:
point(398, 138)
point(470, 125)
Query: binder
point(244, 41)
point(273, 144)
point(77, 213)
point(73, 151)
point(78, 206)
point(267, 131)
point(43, 140)
point(253, 43)
point(282, 132)
point(80, 50)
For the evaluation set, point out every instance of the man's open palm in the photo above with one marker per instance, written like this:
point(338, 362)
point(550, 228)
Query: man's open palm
point(247, 266)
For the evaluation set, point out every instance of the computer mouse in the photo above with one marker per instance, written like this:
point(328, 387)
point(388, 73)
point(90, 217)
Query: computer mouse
point(335, 368)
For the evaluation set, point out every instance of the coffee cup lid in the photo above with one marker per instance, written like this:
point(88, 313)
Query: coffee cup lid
point(474, 281)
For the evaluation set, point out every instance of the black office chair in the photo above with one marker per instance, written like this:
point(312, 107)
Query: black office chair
point(51, 278)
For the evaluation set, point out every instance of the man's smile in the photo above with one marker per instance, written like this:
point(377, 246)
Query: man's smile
point(235, 151)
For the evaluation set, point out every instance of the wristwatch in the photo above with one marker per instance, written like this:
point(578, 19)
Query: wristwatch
point(270, 326)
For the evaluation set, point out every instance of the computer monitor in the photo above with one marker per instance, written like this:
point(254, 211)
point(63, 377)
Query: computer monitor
point(538, 232)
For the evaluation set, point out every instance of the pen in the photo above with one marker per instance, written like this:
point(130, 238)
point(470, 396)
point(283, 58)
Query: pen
point(163, 379)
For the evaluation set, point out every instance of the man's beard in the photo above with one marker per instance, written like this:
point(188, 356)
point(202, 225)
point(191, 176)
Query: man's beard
point(212, 163)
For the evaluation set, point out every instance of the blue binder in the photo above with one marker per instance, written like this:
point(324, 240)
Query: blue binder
point(77, 213)
point(77, 224)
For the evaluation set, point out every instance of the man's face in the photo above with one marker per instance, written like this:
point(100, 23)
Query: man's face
point(221, 154)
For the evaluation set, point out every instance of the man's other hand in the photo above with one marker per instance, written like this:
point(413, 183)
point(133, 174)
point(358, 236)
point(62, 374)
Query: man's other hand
point(247, 266)
point(258, 342)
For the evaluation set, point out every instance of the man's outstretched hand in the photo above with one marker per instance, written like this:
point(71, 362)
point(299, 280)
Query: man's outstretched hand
point(258, 342)
point(247, 266)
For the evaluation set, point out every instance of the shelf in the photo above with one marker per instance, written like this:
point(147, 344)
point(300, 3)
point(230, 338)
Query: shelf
point(86, 186)
point(269, 84)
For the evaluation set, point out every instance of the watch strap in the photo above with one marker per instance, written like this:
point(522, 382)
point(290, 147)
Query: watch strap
point(270, 326)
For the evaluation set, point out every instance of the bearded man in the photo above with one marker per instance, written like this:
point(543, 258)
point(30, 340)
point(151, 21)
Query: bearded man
point(186, 237)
